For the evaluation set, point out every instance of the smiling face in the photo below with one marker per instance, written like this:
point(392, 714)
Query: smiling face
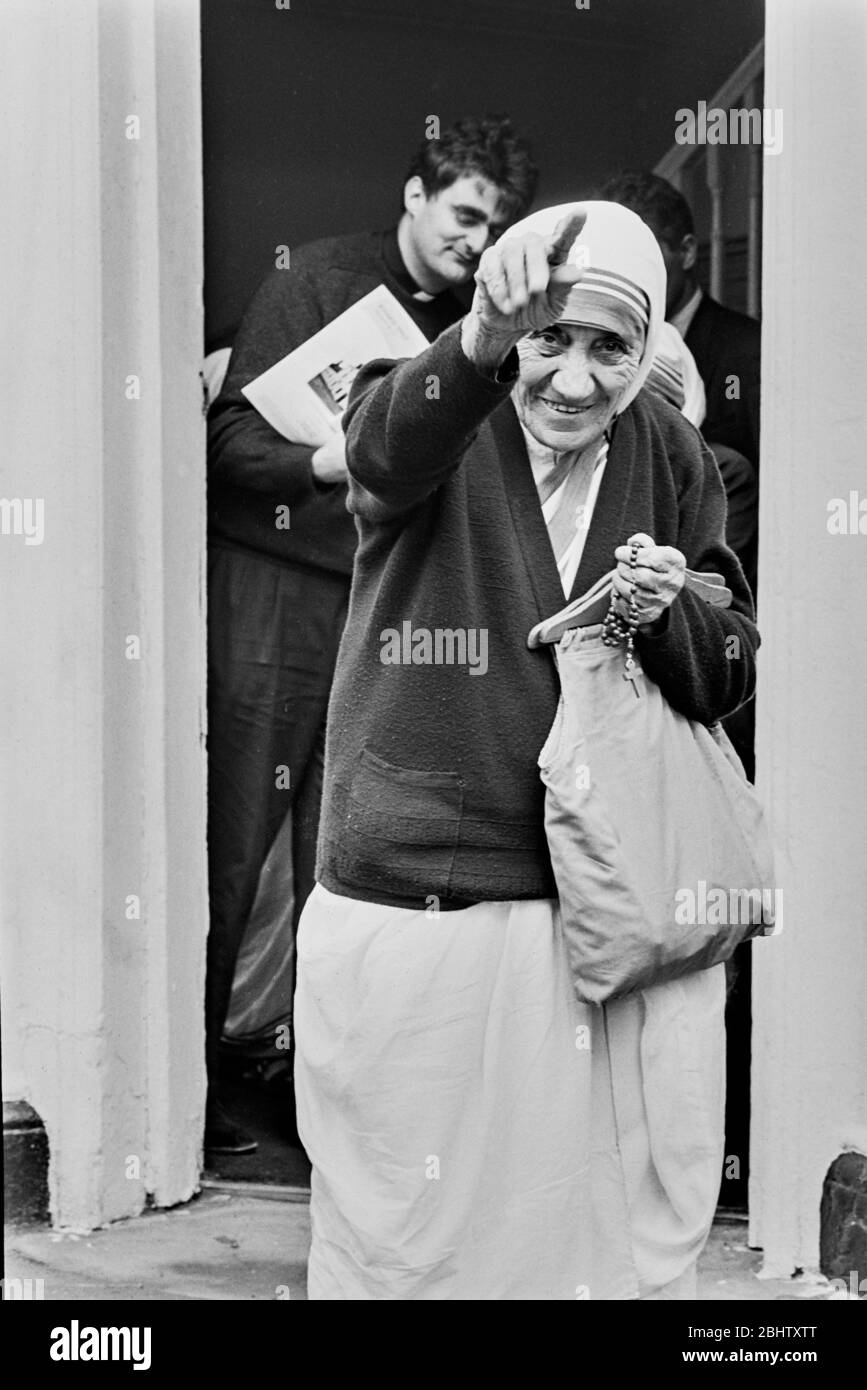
point(572, 379)
point(443, 236)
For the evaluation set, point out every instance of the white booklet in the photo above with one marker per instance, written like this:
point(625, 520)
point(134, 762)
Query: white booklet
point(305, 393)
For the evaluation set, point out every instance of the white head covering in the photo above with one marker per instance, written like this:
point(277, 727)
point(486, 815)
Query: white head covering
point(675, 376)
point(624, 266)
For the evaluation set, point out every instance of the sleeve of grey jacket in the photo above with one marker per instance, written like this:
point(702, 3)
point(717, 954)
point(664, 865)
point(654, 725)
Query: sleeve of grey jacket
point(408, 424)
point(704, 658)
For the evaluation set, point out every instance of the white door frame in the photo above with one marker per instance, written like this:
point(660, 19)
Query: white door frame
point(102, 823)
point(809, 1071)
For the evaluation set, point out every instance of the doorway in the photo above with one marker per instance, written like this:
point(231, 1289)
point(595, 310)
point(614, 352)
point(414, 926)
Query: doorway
point(309, 120)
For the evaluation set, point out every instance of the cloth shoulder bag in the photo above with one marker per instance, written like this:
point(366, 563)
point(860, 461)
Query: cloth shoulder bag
point(660, 851)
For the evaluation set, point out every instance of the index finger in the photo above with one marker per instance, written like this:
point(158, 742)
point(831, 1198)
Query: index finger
point(564, 234)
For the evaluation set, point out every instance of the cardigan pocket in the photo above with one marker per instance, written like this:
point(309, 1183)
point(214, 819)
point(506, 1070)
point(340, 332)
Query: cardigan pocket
point(400, 826)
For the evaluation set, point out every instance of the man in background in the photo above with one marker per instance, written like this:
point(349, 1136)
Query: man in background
point(277, 593)
point(726, 346)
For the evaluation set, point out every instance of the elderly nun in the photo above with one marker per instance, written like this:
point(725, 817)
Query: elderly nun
point(474, 1131)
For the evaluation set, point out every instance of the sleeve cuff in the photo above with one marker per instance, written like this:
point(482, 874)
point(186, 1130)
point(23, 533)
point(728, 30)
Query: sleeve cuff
point(656, 629)
point(507, 372)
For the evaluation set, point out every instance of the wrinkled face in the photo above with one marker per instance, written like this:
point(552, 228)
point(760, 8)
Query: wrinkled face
point(571, 381)
point(449, 230)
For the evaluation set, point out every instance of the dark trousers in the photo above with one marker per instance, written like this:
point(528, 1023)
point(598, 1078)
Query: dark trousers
point(273, 633)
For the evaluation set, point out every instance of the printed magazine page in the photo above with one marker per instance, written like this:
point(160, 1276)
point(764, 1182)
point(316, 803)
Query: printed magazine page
point(305, 393)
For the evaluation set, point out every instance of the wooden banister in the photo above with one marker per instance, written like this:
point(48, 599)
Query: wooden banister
point(741, 90)
point(741, 80)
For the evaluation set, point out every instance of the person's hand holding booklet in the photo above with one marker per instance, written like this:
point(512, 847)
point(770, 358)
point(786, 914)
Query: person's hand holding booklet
point(303, 396)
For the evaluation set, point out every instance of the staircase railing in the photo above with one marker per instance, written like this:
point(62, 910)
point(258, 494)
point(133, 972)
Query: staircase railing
point(742, 89)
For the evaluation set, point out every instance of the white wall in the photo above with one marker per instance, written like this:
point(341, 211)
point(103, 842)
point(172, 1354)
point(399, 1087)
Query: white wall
point(101, 759)
point(810, 985)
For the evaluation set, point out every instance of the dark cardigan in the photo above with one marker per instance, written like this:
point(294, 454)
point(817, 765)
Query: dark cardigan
point(432, 790)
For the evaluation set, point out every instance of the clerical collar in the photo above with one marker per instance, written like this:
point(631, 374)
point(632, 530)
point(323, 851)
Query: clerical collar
point(397, 267)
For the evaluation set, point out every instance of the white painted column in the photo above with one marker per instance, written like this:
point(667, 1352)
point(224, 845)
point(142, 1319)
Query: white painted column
point(102, 756)
point(809, 1096)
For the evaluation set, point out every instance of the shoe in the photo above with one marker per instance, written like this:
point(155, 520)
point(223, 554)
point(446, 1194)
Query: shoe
point(276, 1074)
point(223, 1136)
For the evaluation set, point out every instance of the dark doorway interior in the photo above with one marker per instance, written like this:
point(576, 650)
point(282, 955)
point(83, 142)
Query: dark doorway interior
point(310, 114)
point(265, 1107)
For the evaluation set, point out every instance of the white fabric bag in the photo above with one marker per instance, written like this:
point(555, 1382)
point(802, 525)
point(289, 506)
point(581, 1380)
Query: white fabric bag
point(662, 859)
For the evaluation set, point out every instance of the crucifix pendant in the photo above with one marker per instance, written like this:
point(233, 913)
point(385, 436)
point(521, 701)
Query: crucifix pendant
point(631, 674)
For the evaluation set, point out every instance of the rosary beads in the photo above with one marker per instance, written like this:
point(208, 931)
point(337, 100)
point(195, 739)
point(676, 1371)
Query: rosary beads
point(616, 629)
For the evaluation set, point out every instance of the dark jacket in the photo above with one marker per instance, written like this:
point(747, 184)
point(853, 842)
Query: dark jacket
point(252, 469)
point(727, 345)
point(431, 784)
point(740, 480)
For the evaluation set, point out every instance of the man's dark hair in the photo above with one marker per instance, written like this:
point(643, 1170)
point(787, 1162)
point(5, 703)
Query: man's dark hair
point(488, 147)
point(655, 200)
